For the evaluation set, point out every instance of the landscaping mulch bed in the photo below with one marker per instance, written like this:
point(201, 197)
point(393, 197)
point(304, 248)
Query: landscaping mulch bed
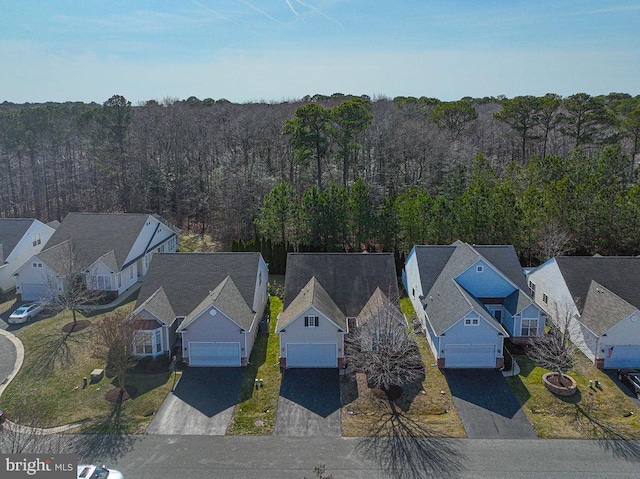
point(78, 326)
point(121, 395)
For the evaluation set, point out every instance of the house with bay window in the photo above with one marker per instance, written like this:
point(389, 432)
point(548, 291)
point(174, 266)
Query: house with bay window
point(469, 298)
point(110, 252)
point(203, 307)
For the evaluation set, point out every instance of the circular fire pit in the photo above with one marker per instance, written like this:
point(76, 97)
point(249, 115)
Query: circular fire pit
point(568, 387)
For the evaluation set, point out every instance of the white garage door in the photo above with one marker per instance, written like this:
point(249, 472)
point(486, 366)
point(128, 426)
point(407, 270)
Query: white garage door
point(312, 355)
point(622, 356)
point(214, 354)
point(470, 356)
point(34, 292)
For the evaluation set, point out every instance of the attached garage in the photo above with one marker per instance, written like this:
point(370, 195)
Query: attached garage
point(622, 356)
point(34, 291)
point(214, 354)
point(470, 356)
point(312, 355)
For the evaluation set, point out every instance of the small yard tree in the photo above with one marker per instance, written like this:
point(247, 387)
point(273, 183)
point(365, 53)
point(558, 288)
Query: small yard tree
point(67, 288)
point(116, 345)
point(383, 349)
point(554, 350)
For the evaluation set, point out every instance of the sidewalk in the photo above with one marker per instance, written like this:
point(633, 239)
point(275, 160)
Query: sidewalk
point(120, 300)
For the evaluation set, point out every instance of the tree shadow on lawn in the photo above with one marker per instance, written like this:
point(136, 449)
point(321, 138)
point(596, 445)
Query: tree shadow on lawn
point(108, 438)
point(609, 436)
point(404, 448)
point(52, 351)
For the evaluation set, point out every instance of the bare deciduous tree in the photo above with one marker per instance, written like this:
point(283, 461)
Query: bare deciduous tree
point(67, 287)
point(117, 338)
point(554, 350)
point(553, 241)
point(383, 349)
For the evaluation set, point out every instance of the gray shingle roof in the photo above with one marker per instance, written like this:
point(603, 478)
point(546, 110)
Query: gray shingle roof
point(159, 305)
point(516, 302)
point(11, 232)
point(619, 274)
point(227, 298)
point(505, 259)
point(446, 301)
point(187, 278)
point(96, 234)
point(380, 304)
point(313, 294)
point(349, 278)
point(603, 309)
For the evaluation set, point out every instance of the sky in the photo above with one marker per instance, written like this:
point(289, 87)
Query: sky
point(280, 50)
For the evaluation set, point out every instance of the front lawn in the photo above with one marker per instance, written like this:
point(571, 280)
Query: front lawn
point(49, 389)
point(592, 413)
point(425, 409)
point(255, 412)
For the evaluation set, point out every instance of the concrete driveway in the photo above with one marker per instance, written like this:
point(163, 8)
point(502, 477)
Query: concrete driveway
point(202, 403)
point(486, 405)
point(309, 403)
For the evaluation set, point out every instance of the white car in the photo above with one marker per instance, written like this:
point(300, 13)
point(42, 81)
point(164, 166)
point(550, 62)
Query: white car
point(25, 312)
point(86, 471)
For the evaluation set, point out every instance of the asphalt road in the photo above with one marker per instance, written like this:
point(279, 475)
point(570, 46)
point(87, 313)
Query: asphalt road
point(192, 457)
point(7, 358)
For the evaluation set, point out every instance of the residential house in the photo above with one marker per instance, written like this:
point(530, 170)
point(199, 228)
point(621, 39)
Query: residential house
point(324, 295)
point(111, 251)
point(20, 239)
point(204, 307)
point(600, 295)
point(469, 298)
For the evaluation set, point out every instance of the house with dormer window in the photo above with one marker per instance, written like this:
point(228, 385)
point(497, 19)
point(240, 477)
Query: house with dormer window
point(469, 298)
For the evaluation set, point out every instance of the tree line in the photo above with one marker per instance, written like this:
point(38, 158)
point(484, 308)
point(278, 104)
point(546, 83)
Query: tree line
point(362, 173)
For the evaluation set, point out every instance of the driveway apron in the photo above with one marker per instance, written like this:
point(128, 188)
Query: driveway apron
point(486, 405)
point(309, 403)
point(202, 403)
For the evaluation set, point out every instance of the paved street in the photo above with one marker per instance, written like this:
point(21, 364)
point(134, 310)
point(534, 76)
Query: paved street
point(486, 405)
point(192, 457)
point(7, 357)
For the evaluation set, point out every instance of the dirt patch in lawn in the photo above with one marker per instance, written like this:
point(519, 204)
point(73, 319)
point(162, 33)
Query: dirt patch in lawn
point(121, 394)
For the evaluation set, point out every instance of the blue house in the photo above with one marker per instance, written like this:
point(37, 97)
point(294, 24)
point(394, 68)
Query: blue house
point(468, 299)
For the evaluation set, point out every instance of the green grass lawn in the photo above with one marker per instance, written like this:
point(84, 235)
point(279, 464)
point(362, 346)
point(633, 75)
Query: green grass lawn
point(258, 406)
point(426, 408)
point(590, 414)
point(49, 388)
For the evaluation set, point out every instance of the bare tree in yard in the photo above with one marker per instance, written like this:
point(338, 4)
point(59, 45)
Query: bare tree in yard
point(554, 350)
point(116, 345)
point(67, 286)
point(383, 349)
point(554, 240)
point(25, 430)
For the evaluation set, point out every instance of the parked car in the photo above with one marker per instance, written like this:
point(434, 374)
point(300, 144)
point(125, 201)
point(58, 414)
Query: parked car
point(3, 417)
point(25, 312)
point(87, 471)
point(631, 377)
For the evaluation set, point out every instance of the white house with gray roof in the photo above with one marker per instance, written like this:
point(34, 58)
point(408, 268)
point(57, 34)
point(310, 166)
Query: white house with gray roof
point(325, 295)
point(602, 296)
point(20, 239)
point(469, 299)
point(206, 307)
point(112, 251)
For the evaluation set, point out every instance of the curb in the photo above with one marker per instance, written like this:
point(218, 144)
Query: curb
point(19, 358)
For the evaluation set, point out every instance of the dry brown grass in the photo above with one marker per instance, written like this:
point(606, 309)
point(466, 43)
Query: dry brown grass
point(592, 413)
point(427, 407)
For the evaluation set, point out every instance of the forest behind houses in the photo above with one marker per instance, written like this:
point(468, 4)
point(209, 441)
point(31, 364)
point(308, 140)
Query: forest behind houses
point(550, 175)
